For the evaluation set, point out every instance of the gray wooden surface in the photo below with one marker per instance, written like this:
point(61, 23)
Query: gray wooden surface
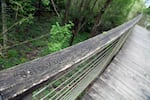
point(128, 76)
point(25, 78)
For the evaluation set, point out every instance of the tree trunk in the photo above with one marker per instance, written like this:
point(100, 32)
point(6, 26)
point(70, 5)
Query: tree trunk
point(83, 15)
point(98, 19)
point(4, 23)
point(78, 22)
point(94, 5)
point(39, 9)
point(55, 9)
point(72, 39)
point(67, 11)
point(80, 6)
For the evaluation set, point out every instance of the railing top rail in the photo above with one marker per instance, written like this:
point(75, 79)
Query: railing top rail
point(27, 77)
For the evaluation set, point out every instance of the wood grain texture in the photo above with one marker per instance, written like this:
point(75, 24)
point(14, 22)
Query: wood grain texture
point(27, 77)
point(128, 75)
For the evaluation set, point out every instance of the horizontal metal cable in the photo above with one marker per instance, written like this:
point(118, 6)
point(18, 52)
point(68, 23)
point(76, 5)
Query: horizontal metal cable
point(41, 90)
point(80, 76)
point(103, 51)
point(83, 75)
point(105, 61)
point(55, 81)
point(74, 83)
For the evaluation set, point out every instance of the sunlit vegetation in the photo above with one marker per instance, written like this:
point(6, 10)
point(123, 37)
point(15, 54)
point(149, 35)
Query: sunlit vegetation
point(35, 28)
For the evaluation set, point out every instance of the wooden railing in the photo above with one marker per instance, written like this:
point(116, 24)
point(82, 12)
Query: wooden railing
point(64, 75)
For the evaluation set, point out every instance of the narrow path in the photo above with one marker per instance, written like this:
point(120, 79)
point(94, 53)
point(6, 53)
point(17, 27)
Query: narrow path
point(128, 76)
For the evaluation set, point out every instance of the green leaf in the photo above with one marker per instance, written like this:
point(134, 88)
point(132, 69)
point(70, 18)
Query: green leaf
point(60, 36)
point(46, 2)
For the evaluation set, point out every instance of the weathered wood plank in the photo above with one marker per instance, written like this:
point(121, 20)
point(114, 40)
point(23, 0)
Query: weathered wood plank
point(129, 72)
point(88, 97)
point(132, 81)
point(136, 70)
point(119, 86)
point(94, 95)
point(25, 78)
point(139, 59)
point(103, 89)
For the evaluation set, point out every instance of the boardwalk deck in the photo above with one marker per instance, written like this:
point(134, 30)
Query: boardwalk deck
point(128, 76)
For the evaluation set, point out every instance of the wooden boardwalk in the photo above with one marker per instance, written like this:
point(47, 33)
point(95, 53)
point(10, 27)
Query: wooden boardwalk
point(128, 76)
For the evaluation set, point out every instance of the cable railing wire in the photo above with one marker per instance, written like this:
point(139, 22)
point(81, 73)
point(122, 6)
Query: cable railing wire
point(66, 73)
point(94, 61)
point(85, 73)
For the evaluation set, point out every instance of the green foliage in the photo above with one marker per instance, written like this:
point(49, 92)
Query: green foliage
point(55, 19)
point(37, 17)
point(82, 13)
point(146, 19)
point(46, 2)
point(22, 7)
point(24, 10)
point(28, 20)
point(40, 43)
point(45, 51)
point(119, 12)
point(60, 36)
point(137, 7)
point(81, 37)
point(147, 11)
point(9, 62)
point(12, 59)
point(12, 53)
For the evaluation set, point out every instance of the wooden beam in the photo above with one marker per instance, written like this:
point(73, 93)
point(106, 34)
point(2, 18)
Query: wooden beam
point(23, 79)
